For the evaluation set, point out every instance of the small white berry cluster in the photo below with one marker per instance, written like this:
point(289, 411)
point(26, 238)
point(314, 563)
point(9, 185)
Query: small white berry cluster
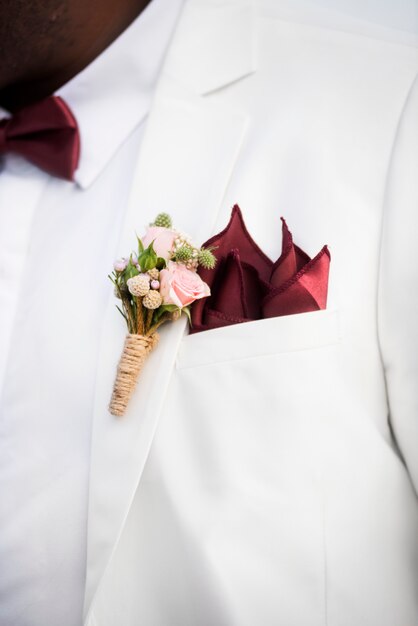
point(146, 286)
point(183, 243)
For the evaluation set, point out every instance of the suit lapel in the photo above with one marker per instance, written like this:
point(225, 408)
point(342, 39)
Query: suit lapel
point(186, 159)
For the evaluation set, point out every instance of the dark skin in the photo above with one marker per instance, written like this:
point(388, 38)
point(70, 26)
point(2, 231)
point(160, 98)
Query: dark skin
point(44, 43)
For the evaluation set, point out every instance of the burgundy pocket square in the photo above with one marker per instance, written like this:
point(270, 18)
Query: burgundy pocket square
point(246, 285)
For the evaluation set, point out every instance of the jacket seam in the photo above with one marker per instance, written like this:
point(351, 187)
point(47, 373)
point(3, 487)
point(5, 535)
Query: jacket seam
point(383, 211)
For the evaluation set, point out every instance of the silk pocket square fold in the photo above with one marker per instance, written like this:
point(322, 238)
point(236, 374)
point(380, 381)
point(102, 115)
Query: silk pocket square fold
point(246, 285)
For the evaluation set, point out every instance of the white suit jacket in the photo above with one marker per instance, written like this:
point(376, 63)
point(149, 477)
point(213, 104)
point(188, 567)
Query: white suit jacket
point(264, 473)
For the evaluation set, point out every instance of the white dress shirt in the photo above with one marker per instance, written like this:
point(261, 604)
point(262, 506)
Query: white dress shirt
point(44, 480)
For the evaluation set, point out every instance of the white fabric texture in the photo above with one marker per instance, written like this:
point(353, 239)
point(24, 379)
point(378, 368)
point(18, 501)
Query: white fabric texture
point(263, 483)
point(264, 472)
point(56, 239)
point(398, 296)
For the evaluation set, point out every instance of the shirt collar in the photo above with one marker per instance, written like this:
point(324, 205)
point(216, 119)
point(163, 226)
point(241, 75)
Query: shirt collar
point(112, 95)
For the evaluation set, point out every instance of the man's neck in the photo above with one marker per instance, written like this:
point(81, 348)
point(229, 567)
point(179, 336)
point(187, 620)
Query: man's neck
point(63, 43)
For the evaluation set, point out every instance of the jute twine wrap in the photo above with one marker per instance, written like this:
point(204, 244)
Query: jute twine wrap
point(134, 355)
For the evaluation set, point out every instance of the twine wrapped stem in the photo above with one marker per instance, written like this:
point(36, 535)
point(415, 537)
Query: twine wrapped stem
point(134, 355)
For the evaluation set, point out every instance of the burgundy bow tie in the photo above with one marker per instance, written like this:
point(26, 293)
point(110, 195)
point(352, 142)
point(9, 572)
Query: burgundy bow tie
point(45, 133)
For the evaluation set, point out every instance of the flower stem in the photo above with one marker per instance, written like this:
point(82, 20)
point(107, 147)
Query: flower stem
point(129, 313)
point(139, 316)
point(148, 322)
point(165, 318)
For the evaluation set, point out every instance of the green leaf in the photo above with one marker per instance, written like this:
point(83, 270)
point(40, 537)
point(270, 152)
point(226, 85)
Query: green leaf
point(164, 308)
point(140, 246)
point(148, 258)
point(150, 263)
point(186, 310)
point(161, 263)
point(130, 271)
point(122, 313)
point(169, 308)
point(157, 315)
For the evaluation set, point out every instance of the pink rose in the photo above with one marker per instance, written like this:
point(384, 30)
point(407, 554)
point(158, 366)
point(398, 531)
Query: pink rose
point(163, 240)
point(181, 286)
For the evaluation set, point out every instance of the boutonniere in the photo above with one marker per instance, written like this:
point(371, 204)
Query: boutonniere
point(156, 284)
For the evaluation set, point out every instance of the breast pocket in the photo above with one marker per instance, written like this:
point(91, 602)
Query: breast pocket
point(259, 390)
point(289, 333)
